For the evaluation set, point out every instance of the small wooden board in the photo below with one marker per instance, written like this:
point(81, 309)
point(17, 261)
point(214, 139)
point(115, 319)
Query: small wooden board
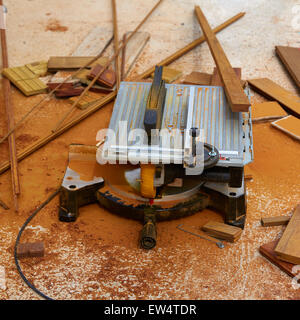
point(273, 91)
point(86, 100)
point(70, 62)
point(107, 78)
point(275, 221)
point(169, 75)
point(267, 111)
point(290, 57)
point(267, 250)
point(39, 68)
point(69, 92)
point(235, 94)
point(290, 125)
point(25, 80)
point(288, 247)
point(28, 250)
point(198, 79)
point(222, 231)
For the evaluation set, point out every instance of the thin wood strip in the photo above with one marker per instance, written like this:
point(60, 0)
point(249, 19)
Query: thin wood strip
point(39, 144)
point(61, 121)
point(235, 94)
point(116, 42)
point(123, 58)
point(190, 46)
point(10, 121)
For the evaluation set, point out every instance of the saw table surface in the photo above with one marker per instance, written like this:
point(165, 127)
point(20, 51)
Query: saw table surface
point(98, 257)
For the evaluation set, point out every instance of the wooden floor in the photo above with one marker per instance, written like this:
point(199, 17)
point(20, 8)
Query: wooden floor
point(98, 256)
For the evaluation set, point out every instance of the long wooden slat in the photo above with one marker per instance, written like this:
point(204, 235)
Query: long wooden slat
point(288, 247)
point(10, 119)
point(290, 57)
point(273, 91)
point(235, 94)
point(116, 42)
point(42, 142)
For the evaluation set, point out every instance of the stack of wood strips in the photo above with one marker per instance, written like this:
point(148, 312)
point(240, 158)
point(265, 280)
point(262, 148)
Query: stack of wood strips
point(222, 231)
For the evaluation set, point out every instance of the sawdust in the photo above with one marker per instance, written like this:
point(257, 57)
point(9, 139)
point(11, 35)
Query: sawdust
point(54, 25)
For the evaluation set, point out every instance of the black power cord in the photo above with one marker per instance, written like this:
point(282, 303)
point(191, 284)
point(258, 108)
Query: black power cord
point(30, 285)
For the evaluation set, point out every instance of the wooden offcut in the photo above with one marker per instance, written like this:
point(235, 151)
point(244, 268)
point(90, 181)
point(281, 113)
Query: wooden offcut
point(289, 125)
point(235, 94)
point(290, 57)
point(39, 68)
point(89, 99)
point(217, 81)
point(30, 250)
point(198, 79)
point(222, 231)
point(169, 75)
point(25, 80)
point(268, 88)
point(267, 250)
point(288, 247)
point(267, 111)
point(275, 221)
point(72, 62)
point(107, 78)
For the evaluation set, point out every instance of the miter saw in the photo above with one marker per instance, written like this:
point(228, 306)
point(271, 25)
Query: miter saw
point(171, 150)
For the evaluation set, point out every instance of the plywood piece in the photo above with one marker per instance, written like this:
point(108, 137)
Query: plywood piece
point(267, 250)
point(222, 231)
point(290, 125)
point(134, 48)
point(267, 111)
point(198, 78)
point(273, 91)
point(39, 68)
point(87, 100)
point(288, 247)
point(290, 57)
point(235, 94)
point(63, 63)
point(94, 42)
point(25, 80)
point(275, 221)
point(169, 75)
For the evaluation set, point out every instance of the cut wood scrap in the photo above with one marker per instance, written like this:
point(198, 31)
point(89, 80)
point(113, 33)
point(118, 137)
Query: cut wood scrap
point(235, 94)
point(275, 221)
point(267, 250)
point(198, 78)
point(123, 58)
point(290, 57)
point(116, 43)
point(30, 250)
point(39, 68)
point(267, 111)
point(289, 101)
point(107, 78)
point(70, 62)
point(222, 231)
point(55, 82)
point(288, 247)
point(290, 125)
point(169, 75)
point(25, 80)
point(87, 100)
point(97, 88)
point(217, 81)
point(133, 49)
point(69, 92)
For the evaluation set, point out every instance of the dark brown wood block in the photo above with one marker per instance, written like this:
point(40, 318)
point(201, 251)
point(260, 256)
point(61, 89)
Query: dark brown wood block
point(28, 250)
point(107, 78)
point(71, 92)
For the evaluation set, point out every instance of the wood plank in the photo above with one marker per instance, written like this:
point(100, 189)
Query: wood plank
point(288, 247)
point(235, 94)
point(290, 57)
point(222, 231)
point(289, 125)
point(289, 101)
point(169, 75)
point(70, 62)
point(198, 78)
point(217, 81)
point(87, 100)
point(275, 221)
point(267, 111)
point(267, 250)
